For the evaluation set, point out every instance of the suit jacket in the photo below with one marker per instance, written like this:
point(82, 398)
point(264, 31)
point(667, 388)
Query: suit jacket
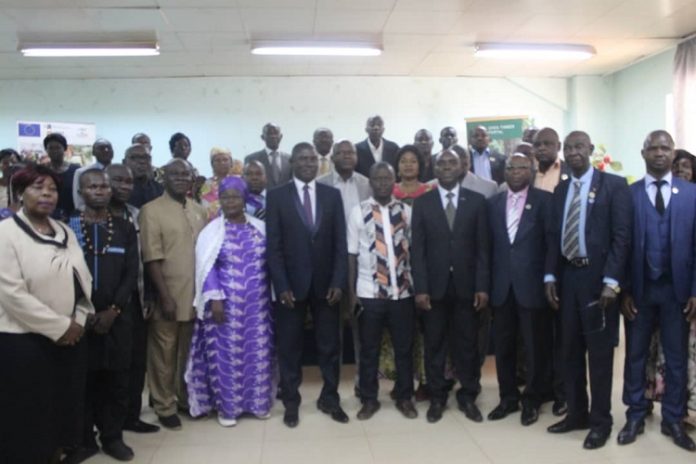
point(436, 250)
point(301, 257)
point(485, 187)
point(682, 204)
point(362, 182)
point(366, 160)
point(285, 170)
point(607, 228)
point(497, 165)
point(520, 265)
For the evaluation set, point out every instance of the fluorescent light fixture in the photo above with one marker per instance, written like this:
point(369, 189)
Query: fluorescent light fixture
point(80, 49)
point(316, 48)
point(522, 51)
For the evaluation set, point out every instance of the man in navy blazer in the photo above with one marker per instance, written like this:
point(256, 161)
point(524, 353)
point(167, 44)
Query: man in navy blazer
point(520, 230)
point(307, 257)
point(662, 290)
point(450, 261)
point(375, 147)
point(592, 216)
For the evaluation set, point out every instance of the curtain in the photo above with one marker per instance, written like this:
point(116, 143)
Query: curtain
point(685, 95)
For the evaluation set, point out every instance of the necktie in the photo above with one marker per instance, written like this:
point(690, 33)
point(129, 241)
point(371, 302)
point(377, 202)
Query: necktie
point(659, 199)
point(513, 217)
point(571, 237)
point(275, 171)
point(450, 211)
point(307, 203)
point(323, 165)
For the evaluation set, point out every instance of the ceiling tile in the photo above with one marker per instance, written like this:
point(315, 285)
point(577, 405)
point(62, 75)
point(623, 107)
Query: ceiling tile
point(356, 4)
point(486, 26)
point(259, 22)
point(434, 5)
point(203, 19)
point(350, 21)
point(421, 22)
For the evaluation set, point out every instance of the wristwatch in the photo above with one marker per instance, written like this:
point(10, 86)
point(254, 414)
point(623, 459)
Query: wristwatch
point(614, 288)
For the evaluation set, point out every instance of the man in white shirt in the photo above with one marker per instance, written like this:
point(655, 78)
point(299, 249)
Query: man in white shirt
point(276, 162)
point(375, 148)
point(379, 275)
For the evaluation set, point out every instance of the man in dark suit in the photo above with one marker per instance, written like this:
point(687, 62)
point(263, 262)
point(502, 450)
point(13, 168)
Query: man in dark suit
point(520, 230)
point(276, 162)
point(450, 257)
point(662, 289)
point(375, 148)
point(307, 257)
point(486, 163)
point(592, 216)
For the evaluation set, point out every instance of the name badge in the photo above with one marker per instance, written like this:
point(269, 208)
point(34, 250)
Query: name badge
point(116, 250)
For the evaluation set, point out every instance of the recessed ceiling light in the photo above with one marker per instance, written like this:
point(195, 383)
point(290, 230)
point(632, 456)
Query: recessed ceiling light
point(521, 51)
point(315, 48)
point(93, 49)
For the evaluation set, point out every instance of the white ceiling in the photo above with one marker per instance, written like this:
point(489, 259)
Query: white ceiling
point(420, 37)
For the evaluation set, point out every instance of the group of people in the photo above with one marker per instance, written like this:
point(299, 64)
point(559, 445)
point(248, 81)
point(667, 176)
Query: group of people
point(115, 270)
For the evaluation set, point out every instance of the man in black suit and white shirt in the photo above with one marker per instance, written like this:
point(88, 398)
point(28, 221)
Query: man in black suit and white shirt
point(450, 257)
point(276, 162)
point(486, 163)
point(375, 148)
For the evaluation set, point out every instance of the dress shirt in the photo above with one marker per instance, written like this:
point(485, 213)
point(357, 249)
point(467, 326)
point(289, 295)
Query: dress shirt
point(349, 192)
point(482, 165)
point(360, 244)
point(651, 188)
point(77, 198)
point(519, 206)
point(445, 200)
point(549, 180)
point(261, 197)
point(376, 151)
point(299, 185)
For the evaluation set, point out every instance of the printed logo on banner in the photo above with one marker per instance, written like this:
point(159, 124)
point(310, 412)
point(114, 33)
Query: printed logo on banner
point(29, 130)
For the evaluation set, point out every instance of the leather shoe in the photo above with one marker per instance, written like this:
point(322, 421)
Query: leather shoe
point(118, 450)
point(559, 408)
point(407, 408)
point(291, 418)
point(630, 431)
point(471, 411)
point(434, 413)
point(335, 412)
point(530, 415)
point(139, 426)
point(502, 410)
point(596, 439)
point(369, 408)
point(80, 454)
point(566, 426)
point(170, 422)
point(679, 436)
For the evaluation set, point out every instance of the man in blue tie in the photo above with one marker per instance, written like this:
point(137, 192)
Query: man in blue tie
point(662, 289)
point(591, 216)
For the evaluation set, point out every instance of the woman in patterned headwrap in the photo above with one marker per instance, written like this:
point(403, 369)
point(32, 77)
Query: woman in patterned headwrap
point(230, 364)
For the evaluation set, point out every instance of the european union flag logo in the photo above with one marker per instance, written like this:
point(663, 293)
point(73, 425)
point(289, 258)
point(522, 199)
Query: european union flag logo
point(29, 130)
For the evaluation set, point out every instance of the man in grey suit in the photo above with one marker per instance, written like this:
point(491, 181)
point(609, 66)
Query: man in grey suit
point(471, 181)
point(276, 162)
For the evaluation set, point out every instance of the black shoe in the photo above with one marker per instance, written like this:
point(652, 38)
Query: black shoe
point(530, 415)
point(596, 439)
point(502, 410)
point(560, 408)
point(170, 422)
point(118, 450)
point(139, 426)
point(566, 426)
point(291, 418)
point(679, 436)
point(369, 408)
point(470, 410)
point(407, 408)
point(335, 412)
point(435, 412)
point(80, 454)
point(630, 431)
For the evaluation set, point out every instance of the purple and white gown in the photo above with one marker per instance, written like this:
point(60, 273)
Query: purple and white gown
point(230, 364)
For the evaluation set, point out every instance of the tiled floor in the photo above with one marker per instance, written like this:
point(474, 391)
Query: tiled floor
point(389, 438)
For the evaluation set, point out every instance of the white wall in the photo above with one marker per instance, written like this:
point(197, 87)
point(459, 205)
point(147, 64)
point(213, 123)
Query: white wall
point(231, 111)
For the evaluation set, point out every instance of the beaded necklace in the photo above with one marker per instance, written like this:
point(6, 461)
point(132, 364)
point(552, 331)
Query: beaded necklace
point(88, 240)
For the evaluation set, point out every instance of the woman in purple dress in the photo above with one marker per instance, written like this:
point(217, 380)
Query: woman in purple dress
point(230, 363)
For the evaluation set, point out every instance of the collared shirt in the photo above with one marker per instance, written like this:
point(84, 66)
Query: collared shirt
point(651, 188)
point(361, 243)
point(376, 151)
point(77, 198)
point(521, 197)
point(445, 199)
point(549, 180)
point(270, 158)
point(586, 181)
point(482, 165)
point(168, 230)
point(349, 192)
point(261, 198)
point(299, 185)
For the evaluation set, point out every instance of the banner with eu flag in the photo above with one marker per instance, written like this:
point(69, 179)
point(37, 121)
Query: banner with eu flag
point(80, 137)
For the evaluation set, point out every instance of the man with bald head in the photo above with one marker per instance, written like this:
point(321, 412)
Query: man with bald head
point(103, 153)
point(323, 141)
point(143, 139)
point(275, 162)
point(591, 237)
point(448, 137)
point(375, 148)
point(551, 170)
point(663, 289)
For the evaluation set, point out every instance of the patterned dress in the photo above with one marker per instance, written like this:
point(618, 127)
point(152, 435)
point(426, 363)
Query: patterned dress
point(230, 364)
